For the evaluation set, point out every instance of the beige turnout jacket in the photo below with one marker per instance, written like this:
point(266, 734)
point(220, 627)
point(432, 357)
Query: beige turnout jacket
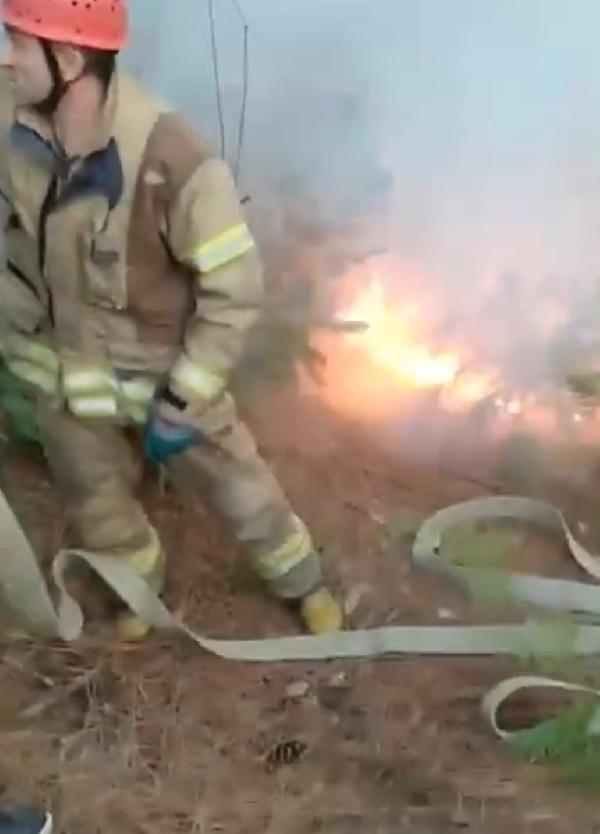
point(134, 264)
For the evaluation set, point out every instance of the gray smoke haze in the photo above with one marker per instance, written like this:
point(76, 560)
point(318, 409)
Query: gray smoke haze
point(486, 117)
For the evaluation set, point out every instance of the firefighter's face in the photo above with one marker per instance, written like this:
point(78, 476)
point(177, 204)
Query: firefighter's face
point(24, 62)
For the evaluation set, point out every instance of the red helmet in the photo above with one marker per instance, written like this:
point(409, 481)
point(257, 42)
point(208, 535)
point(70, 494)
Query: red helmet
point(100, 24)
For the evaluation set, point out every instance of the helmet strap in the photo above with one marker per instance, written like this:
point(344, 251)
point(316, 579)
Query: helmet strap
point(48, 106)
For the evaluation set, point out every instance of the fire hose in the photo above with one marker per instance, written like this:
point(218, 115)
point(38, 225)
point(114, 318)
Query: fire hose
point(25, 594)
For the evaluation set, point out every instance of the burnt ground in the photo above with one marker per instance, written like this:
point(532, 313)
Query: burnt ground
point(163, 737)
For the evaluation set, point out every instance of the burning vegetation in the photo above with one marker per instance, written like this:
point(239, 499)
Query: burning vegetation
point(401, 359)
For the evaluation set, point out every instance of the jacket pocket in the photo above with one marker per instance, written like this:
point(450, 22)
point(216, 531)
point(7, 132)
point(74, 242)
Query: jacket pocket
point(104, 269)
point(20, 307)
point(23, 298)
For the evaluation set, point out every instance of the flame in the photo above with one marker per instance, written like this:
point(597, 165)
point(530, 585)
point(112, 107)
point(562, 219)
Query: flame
point(392, 364)
point(390, 342)
point(468, 389)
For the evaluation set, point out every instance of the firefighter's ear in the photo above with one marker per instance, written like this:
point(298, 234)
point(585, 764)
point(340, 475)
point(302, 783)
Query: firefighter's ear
point(71, 62)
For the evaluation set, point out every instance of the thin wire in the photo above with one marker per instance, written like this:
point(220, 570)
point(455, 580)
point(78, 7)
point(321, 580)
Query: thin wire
point(240, 12)
point(245, 82)
point(215, 61)
point(245, 86)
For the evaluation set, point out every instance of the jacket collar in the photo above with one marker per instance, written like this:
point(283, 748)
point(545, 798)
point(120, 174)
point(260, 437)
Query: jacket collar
point(98, 171)
point(40, 126)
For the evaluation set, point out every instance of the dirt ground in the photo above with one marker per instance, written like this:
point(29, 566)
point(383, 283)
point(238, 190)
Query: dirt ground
point(165, 738)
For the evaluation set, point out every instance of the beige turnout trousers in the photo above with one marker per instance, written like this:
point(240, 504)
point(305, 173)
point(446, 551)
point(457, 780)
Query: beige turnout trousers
point(94, 467)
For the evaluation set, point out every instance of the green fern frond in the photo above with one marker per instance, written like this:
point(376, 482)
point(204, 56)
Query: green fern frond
point(566, 744)
point(486, 553)
point(560, 737)
point(22, 425)
point(466, 546)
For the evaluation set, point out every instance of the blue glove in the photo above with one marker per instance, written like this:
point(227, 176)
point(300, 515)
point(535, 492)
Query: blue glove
point(25, 821)
point(163, 440)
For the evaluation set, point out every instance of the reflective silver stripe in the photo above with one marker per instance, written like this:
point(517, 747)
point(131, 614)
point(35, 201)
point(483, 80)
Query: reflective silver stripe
point(100, 406)
point(34, 375)
point(196, 381)
point(33, 352)
point(220, 250)
point(89, 379)
point(91, 391)
point(97, 392)
point(32, 362)
point(276, 563)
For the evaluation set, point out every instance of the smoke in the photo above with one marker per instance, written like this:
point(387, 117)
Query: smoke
point(311, 84)
point(463, 135)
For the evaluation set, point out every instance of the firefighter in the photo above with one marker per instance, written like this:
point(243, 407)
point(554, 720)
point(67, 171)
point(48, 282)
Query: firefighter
point(131, 280)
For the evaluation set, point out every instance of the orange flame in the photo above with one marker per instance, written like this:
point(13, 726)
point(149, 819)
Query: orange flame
point(390, 342)
point(391, 366)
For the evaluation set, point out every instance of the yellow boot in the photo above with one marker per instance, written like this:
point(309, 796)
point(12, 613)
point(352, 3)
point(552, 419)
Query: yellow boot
point(150, 565)
point(320, 612)
point(130, 628)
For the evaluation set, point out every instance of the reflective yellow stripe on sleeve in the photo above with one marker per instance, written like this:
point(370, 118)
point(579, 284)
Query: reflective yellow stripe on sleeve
point(220, 250)
point(195, 381)
point(277, 563)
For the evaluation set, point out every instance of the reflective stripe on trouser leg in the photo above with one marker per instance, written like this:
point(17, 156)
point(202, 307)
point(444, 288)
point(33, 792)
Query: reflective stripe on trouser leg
point(292, 569)
point(305, 577)
point(227, 468)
